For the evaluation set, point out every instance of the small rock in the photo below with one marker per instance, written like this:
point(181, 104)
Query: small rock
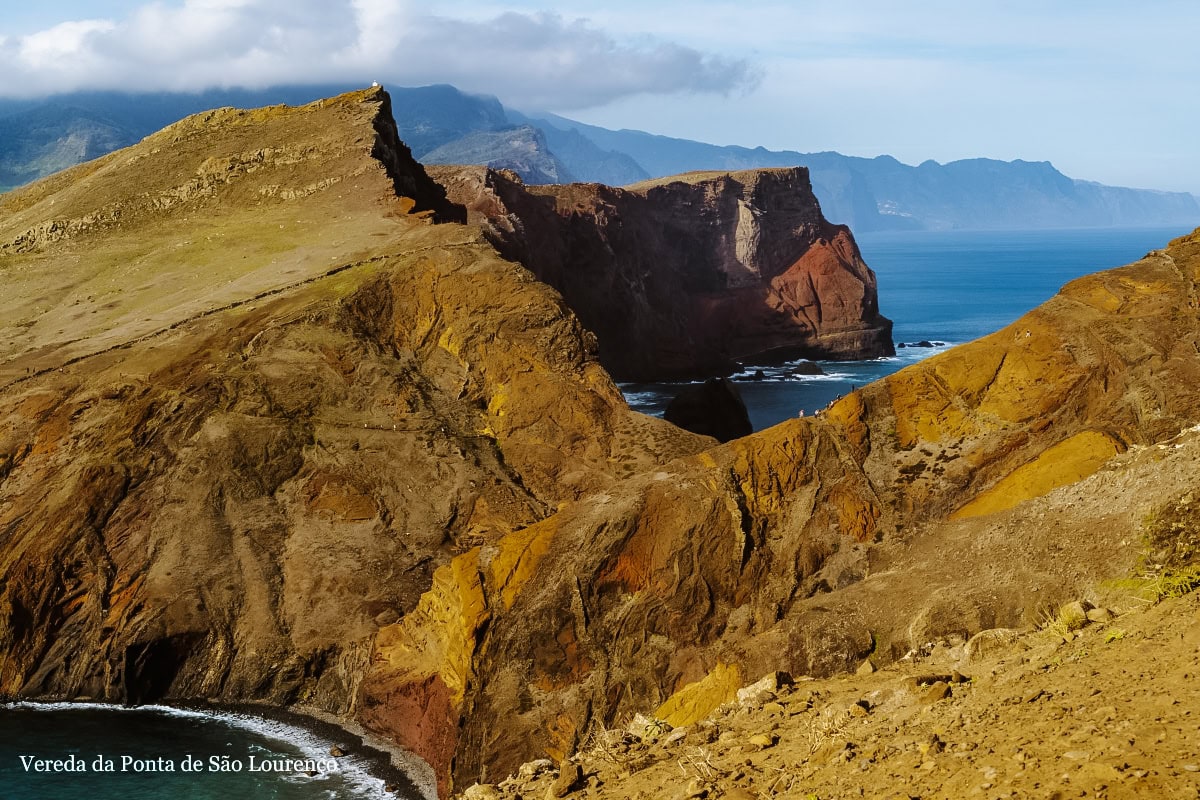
point(1077, 755)
point(933, 745)
point(570, 776)
point(1099, 615)
point(336, 751)
point(1075, 614)
point(738, 793)
point(482, 791)
point(387, 617)
point(763, 740)
point(865, 668)
point(531, 769)
point(990, 641)
point(935, 692)
point(773, 708)
point(1033, 696)
point(770, 684)
point(676, 736)
point(728, 737)
point(695, 788)
point(1191, 768)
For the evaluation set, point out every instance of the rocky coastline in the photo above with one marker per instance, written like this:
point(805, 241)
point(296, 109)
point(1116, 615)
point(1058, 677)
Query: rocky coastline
point(325, 447)
point(683, 277)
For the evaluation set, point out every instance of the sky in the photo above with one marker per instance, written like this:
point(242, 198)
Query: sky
point(1104, 89)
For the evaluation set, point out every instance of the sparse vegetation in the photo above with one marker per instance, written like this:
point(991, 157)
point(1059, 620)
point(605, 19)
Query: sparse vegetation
point(1067, 619)
point(1172, 534)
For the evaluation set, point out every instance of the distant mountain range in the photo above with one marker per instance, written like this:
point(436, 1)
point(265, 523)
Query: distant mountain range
point(443, 125)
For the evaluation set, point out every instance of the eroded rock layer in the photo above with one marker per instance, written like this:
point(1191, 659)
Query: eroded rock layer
point(681, 277)
point(898, 516)
point(268, 433)
point(253, 398)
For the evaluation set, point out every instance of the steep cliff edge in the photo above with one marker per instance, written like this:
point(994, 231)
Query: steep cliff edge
point(267, 433)
point(252, 398)
point(922, 506)
point(681, 277)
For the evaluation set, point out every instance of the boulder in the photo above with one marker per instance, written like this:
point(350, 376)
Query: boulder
point(713, 408)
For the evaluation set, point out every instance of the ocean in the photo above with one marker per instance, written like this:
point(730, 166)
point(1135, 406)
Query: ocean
point(65, 751)
point(941, 287)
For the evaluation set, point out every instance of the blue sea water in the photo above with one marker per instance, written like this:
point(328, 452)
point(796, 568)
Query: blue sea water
point(938, 286)
point(145, 754)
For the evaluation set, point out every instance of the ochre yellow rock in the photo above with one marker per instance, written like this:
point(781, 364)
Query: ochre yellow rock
point(1020, 390)
point(856, 515)
point(438, 637)
point(1066, 462)
point(698, 700)
point(925, 409)
point(850, 412)
point(518, 557)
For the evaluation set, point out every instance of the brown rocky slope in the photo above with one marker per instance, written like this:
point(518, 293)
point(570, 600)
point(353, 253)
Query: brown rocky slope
point(266, 434)
point(253, 397)
point(892, 519)
point(681, 277)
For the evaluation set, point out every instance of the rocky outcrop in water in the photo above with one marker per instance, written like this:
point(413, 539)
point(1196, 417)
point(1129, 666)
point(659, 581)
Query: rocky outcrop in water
point(683, 276)
point(714, 408)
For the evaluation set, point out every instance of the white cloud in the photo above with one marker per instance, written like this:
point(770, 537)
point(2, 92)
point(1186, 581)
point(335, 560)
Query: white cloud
point(49, 49)
point(530, 59)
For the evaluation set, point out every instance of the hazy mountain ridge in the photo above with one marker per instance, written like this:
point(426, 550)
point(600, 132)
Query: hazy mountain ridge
point(42, 140)
point(443, 124)
point(522, 149)
point(883, 193)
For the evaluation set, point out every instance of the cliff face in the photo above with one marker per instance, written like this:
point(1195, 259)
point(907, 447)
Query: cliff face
point(920, 507)
point(267, 433)
point(253, 398)
point(684, 276)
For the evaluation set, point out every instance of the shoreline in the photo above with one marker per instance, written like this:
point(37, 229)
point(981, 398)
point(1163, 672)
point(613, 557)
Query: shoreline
point(401, 772)
point(396, 764)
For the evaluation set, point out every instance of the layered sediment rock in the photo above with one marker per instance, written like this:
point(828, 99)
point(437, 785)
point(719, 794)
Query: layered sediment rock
point(253, 398)
point(267, 433)
point(819, 542)
point(681, 277)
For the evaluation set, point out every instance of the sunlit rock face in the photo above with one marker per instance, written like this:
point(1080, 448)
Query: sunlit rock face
point(682, 276)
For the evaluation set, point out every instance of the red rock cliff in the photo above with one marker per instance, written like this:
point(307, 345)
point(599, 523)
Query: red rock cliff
point(681, 277)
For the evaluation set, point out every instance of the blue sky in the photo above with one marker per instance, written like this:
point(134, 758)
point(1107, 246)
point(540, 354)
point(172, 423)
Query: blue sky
point(1103, 89)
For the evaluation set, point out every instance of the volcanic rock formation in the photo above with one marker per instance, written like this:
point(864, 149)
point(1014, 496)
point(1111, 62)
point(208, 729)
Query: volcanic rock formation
point(683, 276)
point(268, 433)
point(252, 399)
point(892, 519)
point(714, 408)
